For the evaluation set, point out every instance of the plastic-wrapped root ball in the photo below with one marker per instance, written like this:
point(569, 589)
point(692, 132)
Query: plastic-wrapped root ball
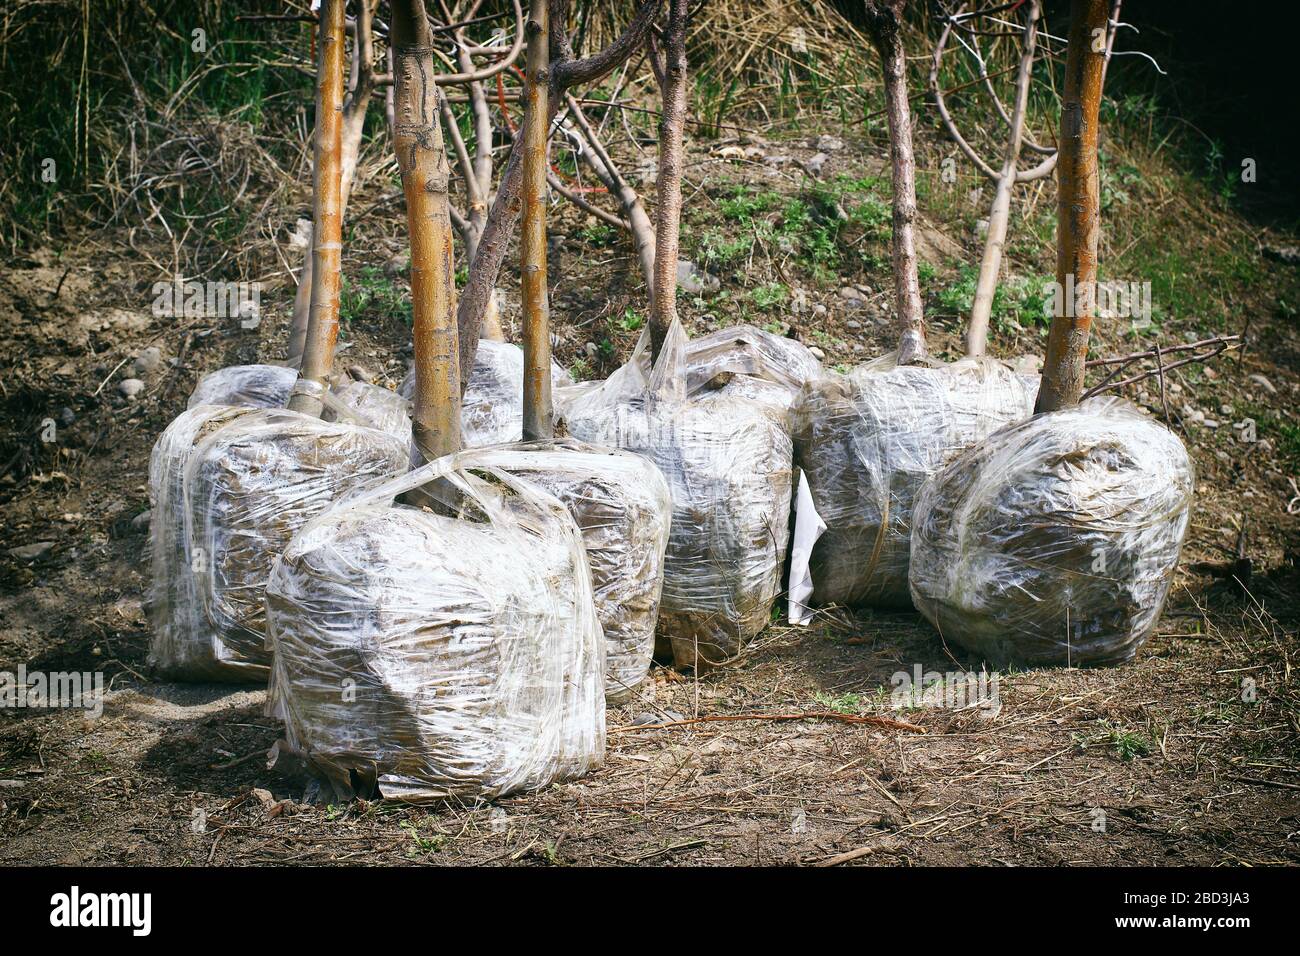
point(269, 386)
point(492, 408)
point(867, 441)
point(250, 486)
point(432, 651)
point(728, 464)
point(622, 506)
point(748, 362)
point(1055, 540)
point(182, 644)
point(258, 386)
point(187, 644)
point(374, 405)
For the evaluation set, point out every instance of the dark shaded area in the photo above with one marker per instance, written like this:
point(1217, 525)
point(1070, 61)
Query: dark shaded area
point(1231, 79)
point(1229, 76)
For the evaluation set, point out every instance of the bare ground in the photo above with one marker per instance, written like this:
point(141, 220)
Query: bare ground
point(1171, 752)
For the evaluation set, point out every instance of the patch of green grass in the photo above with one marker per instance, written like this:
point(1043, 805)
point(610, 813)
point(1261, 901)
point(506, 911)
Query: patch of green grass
point(552, 854)
point(959, 297)
point(1284, 435)
point(372, 296)
point(422, 845)
point(873, 215)
point(631, 320)
point(815, 227)
point(1127, 744)
point(713, 96)
point(770, 295)
point(716, 251)
point(1021, 300)
point(743, 206)
point(598, 234)
point(839, 703)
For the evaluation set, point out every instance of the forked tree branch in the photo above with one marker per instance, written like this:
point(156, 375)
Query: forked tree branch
point(634, 219)
point(477, 294)
point(1022, 175)
point(977, 333)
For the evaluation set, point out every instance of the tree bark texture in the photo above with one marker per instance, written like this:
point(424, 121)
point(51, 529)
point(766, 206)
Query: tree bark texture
point(327, 214)
point(668, 192)
point(884, 18)
point(422, 159)
point(538, 417)
point(361, 84)
point(1078, 219)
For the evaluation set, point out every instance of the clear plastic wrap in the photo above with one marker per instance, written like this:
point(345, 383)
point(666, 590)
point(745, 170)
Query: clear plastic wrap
point(181, 645)
point(1055, 540)
point(440, 651)
point(867, 441)
point(748, 362)
point(727, 460)
point(622, 506)
point(374, 406)
point(249, 487)
point(492, 410)
point(210, 562)
point(258, 386)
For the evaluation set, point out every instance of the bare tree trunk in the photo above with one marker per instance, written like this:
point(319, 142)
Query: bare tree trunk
point(327, 230)
point(884, 18)
point(422, 158)
point(668, 192)
point(990, 267)
point(478, 179)
point(361, 86)
point(301, 305)
point(538, 416)
point(565, 72)
point(1113, 28)
point(1078, 223)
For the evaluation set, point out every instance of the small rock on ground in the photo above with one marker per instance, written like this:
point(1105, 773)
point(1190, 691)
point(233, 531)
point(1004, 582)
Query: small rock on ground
point(130, 387)
point(32, 552)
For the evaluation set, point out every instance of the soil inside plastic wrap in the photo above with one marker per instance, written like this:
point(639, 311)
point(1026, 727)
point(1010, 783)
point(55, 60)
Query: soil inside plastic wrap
point(1055, 540)
point(727, 461)
point(373, 406)
point(428, 654)
point(258, 386)
point(250, 486)
point(182, 644)
point(198, 633)
point(868, 440)
point(748, 362)
point(621, 504)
